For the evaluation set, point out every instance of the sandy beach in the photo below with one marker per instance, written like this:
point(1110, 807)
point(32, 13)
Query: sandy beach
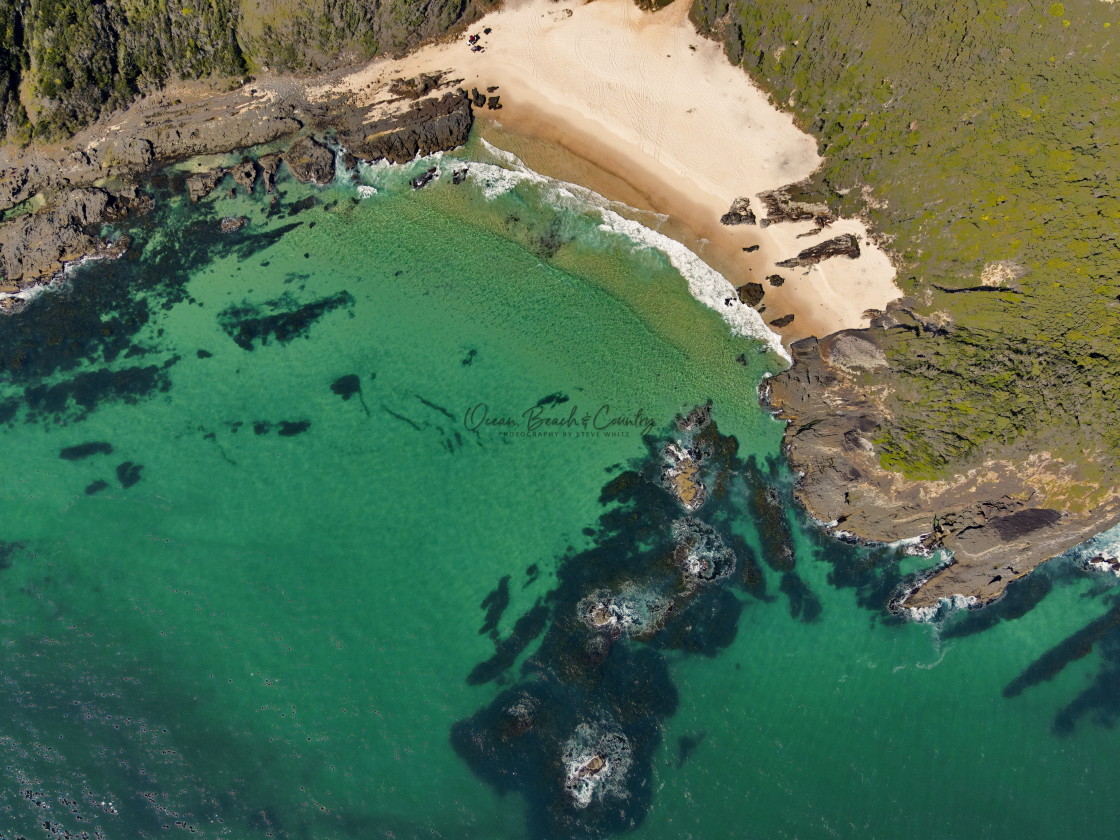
point(650, 113)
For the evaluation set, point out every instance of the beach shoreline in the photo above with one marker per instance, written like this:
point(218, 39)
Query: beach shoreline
point(634, 105)
point(656, 117)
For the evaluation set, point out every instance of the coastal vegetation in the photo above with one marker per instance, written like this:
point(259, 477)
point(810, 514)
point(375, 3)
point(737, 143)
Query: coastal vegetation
point(63, 63)
point(981, 141)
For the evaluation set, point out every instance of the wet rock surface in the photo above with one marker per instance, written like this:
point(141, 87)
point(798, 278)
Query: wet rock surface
point(35, 246)
point(201, 184)
point(231, 223)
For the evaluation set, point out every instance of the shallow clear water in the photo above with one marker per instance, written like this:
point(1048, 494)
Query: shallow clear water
point(259, 613)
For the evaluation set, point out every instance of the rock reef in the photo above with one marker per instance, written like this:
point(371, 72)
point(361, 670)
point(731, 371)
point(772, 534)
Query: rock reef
point(65, 209)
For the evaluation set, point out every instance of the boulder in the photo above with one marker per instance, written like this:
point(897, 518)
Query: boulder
point(270, 165)
point(310, 161)
point(245, 174)
point(751, 293)
point(201, 184)
point(231, 223)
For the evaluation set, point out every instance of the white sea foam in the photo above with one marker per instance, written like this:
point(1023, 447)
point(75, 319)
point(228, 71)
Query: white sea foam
point(704, 283)
point(603, 743)
point(28, 294)
point(926, 615)
point(1100, 553)
point(366, 191)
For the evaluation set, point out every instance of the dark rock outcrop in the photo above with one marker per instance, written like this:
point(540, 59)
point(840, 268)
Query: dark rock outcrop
point(417, 86)
point(751, 293)
point(782, 207)
point(201, 184)
point(270, 165)
point(739, 214)
point(245, 174)
point(36, 246)
point(429, 126)
point(784, 321)
point(840, 246)
point(423, 179)
point(775, 280)
point(310, 161)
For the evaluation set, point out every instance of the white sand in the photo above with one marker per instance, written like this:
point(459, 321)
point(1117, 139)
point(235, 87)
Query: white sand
point(648, 100)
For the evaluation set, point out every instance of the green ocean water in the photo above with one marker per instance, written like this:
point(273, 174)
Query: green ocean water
point(253, 609)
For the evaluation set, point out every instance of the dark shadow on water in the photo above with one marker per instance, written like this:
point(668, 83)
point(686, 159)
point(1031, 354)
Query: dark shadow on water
point(576, 732)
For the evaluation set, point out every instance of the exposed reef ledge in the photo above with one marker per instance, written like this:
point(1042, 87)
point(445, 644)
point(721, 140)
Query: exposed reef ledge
point(35, 246)
point(995, 518)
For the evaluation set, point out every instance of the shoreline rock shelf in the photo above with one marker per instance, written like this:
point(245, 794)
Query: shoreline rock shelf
point(36, 246)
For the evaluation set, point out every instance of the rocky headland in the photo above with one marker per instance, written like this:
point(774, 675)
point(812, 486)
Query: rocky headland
point(52, 212)
point(949, 417)
point(1001, 518)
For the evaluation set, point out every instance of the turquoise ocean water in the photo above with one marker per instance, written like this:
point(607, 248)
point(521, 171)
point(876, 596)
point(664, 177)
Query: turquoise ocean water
point(267, 573)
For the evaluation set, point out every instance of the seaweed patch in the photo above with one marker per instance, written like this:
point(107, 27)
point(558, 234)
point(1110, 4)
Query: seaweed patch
point(85, 450)
point(281, 320)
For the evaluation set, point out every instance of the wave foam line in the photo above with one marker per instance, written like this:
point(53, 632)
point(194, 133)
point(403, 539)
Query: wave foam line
point(705, 284)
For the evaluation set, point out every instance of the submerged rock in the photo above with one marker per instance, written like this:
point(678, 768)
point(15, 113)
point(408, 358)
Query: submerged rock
point(231, 223)
point(128, 474)
point(425, 178)
point(85, 450)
